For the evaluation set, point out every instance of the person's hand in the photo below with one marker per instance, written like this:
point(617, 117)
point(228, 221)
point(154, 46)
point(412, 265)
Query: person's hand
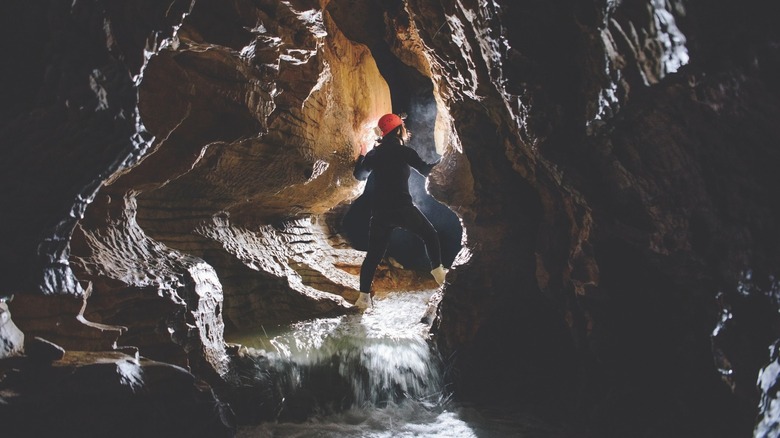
point(364, 149)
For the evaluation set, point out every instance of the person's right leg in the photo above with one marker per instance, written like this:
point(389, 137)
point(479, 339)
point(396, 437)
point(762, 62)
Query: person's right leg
point(416, 222)
point(378, 238)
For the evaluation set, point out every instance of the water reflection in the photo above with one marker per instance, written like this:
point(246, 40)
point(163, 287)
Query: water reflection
point(405, 420)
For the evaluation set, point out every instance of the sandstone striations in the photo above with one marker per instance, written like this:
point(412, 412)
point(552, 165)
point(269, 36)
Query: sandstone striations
point(177, 170)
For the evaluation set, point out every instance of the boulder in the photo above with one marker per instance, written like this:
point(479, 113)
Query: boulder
point(11, 338)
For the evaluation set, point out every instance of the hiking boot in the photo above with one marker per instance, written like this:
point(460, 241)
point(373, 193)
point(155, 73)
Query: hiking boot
point(438, 274)
point(364, 301)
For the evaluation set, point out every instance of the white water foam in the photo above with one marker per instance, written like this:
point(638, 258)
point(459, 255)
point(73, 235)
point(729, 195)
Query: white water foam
point(396, 382)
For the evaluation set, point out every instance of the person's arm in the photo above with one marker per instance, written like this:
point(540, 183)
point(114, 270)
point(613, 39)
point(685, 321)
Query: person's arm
point(414, 160)
point(363, 166)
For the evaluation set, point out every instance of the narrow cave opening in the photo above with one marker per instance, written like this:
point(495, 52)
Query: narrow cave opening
point(412, 93)
point(347, 363)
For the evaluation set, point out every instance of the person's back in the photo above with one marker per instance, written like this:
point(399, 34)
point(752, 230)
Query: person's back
point(389, 165)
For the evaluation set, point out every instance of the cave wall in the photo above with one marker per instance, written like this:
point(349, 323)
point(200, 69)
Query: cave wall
point(256, 123)
point(628, 151)
point(248, 122)
point(612, 164)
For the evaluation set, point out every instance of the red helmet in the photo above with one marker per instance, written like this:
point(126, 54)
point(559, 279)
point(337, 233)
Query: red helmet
point(388, 122)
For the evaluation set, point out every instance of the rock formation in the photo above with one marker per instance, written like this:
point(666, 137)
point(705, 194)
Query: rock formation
point(176, 170)
point(123, 396)
point(11, 338)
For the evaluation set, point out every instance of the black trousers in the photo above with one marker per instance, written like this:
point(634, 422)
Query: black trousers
point(383, 222)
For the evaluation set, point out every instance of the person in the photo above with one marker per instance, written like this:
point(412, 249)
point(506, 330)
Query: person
point(389, 165)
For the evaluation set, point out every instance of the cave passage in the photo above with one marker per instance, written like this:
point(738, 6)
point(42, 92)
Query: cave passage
point(411, 93)
point(371, 372)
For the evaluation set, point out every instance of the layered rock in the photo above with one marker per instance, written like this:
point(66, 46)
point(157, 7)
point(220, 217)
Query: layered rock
point(607, 190)
point(264, 115)
point(606, 199)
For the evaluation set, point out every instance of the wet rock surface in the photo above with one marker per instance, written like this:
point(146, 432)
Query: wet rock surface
point(106, 394)
point(11, 338)
point(172, 171)
point(768, 424)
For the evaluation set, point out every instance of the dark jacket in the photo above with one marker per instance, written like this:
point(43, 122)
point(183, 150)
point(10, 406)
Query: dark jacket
point(389, 165)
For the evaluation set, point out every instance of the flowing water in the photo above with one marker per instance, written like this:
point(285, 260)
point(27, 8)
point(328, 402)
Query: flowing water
point(368, 375)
